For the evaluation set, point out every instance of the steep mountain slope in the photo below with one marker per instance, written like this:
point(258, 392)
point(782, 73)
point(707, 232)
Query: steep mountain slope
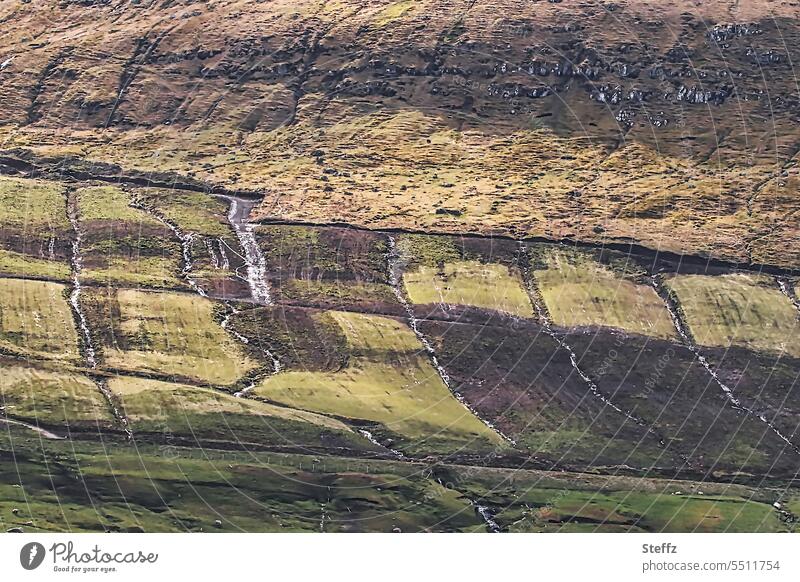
point(672, 126)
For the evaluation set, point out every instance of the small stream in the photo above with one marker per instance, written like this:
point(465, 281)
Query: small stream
point(276, 364)
point(487, 517)
point(185, 239)
point(89, 352)
point(76, 264)
point(547, 325)
point(683, 331)
point(238, 216)
point(787, 289)
point(371, 438)
point(396, 283)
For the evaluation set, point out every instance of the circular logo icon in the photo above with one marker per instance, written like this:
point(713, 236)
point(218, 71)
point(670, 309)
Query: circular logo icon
point(31, 555)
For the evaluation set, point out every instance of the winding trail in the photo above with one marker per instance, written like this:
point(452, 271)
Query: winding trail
point(239, 218)
point(396, 283)
point(89, 351)
point(685, 334)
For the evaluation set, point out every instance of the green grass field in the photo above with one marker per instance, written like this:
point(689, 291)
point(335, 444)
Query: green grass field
point(580, 291)
point(585, 511)
point(123, 245)
point(32, 205)
point(34, 228)
point(167, 408)
point(172, 334)
point(36, 320)
point(57, 399)
point(738, 309)
point(487, 286)
point(12, 263)
point(76, 487)
point(388, 380)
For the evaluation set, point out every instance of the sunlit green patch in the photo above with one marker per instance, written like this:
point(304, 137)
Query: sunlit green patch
point(580, 291)
point(393, 11)
point(125, 245)
point(169, 408)
point(36, 320)
point(488, 286)
point(32, 205)
point(13, 263)
point(173, 334)
point(52, 398)
point(387, 379)
point(738, 309)
point(566, 511)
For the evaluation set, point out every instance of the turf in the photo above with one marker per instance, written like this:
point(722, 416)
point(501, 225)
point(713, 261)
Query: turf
point(388, 380)
point(172, 334)
point(58, 399)
point(573, 511)
point(123, 245)
point(84, 487)
point(166, 408)
point(738, 309)
point(579, 291)
point(36, 320)
point(487, 286)
point(32, 205)
point(34, 230)
point(13, 263)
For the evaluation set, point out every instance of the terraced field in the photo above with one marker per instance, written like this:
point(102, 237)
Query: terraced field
point(399, 266)
point(164, 333)
point(387, 379)
point(121, 244)
point(36, 320)
point(738, 310)
point(581, 291)
point(35, 230)
point(337, 379)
